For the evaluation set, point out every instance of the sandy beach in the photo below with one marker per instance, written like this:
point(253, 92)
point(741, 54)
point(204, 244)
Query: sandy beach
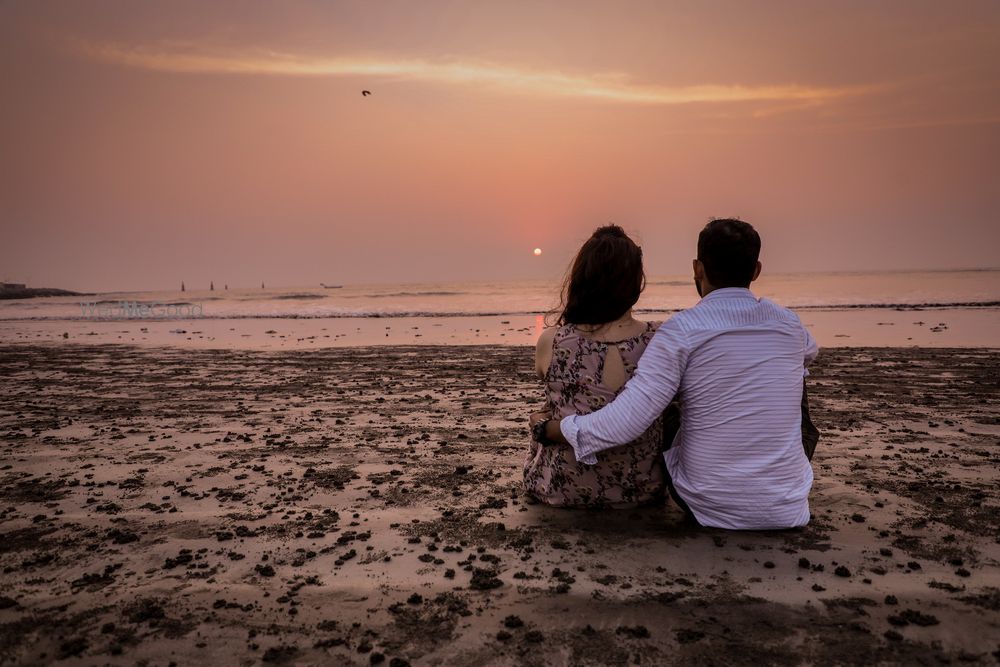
point(363, 506)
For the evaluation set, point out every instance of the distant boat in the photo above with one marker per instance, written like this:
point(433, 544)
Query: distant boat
point(325, 286)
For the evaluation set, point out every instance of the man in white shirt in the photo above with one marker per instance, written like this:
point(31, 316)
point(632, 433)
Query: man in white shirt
point(736, 365)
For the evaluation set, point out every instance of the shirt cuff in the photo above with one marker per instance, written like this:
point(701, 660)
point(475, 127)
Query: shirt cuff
point(571, 431)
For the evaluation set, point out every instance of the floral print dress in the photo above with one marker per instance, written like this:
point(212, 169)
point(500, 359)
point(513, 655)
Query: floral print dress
point(625, 476)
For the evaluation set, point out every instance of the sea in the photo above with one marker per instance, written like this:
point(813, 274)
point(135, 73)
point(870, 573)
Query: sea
point(914, 308)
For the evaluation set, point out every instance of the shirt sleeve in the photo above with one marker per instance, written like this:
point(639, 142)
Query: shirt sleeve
point(810, 352)
point(656, 380)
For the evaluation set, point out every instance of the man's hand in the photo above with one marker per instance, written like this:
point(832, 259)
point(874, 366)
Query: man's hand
point(552, 433)
point(538, 417)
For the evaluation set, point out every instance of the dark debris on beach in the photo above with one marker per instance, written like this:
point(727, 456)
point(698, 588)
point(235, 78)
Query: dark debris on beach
point(363, 506)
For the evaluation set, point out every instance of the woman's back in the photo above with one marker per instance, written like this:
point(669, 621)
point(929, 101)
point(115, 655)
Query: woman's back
point(584, 375)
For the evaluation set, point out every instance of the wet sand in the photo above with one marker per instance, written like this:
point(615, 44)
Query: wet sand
point(363, 506)
point(860, 327)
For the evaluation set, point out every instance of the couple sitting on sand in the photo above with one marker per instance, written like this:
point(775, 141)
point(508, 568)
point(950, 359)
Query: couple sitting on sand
point(709, 406)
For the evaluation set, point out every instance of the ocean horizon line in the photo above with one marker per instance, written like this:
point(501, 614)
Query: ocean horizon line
point(651, 279)
point(402, 314)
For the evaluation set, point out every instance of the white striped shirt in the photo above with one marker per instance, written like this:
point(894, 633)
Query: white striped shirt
point(737, 362)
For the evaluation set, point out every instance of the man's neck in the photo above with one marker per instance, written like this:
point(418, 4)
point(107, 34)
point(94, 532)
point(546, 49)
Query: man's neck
point(710, 288)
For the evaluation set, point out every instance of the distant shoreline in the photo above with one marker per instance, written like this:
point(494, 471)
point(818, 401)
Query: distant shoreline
point(446, 314)
point(32, 292)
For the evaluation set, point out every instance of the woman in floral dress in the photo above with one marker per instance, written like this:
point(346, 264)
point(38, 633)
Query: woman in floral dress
point(584, 363)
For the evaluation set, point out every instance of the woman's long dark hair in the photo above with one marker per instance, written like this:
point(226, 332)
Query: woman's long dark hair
point(605, 280)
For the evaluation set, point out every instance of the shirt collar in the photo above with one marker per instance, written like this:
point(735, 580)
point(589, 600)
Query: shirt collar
point(730, 293)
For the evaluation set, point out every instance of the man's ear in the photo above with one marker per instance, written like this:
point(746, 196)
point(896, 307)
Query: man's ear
point(756, 272)
point(699, 269)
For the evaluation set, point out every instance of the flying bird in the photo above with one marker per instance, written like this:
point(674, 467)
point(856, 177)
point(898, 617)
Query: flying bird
point(365, 93)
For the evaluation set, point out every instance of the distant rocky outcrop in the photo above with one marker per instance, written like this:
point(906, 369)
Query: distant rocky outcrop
point(21, 291)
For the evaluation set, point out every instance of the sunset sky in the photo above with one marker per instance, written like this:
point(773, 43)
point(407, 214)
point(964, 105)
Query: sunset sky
point(148, 143)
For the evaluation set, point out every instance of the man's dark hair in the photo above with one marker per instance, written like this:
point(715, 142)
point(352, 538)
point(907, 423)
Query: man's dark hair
point(729, 249)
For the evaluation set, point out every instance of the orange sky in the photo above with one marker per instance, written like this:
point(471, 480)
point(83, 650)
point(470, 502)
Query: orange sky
point(149, 143)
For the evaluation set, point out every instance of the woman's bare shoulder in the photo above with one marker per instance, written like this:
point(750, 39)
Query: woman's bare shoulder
point(545, 340)
point(543, 350)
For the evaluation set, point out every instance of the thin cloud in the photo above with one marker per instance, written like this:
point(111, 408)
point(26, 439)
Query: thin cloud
point(943, 122)
point(612, 88)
